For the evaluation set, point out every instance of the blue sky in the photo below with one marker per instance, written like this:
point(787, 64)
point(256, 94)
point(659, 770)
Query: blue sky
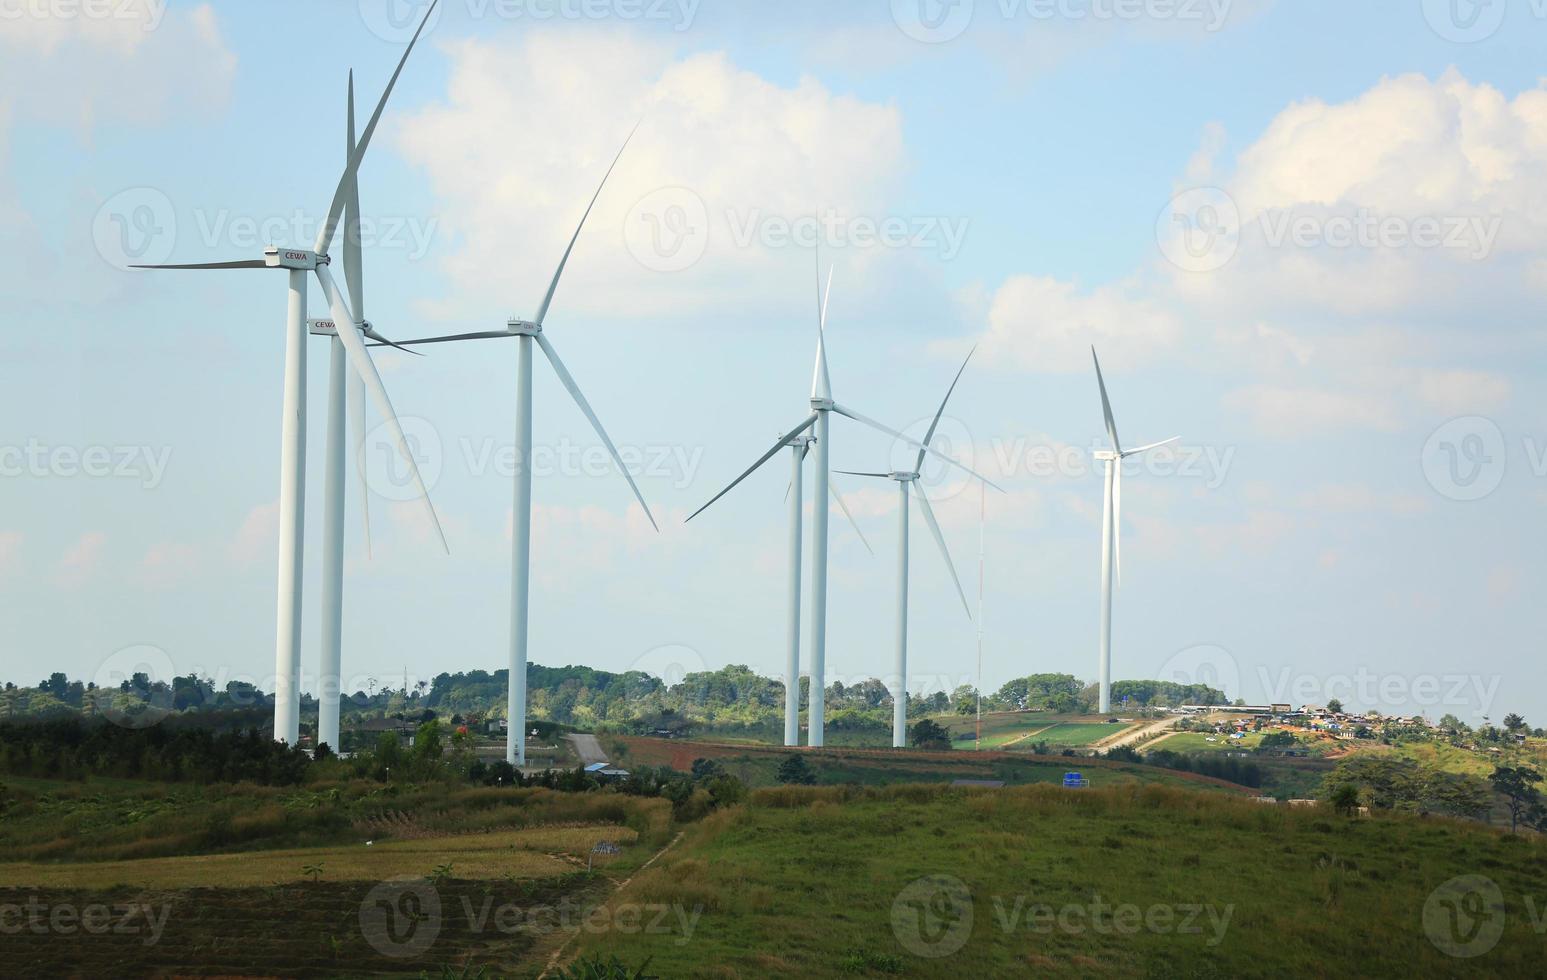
point(1350, 514)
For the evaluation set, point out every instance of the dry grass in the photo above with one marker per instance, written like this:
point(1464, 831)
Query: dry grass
point(518, 854)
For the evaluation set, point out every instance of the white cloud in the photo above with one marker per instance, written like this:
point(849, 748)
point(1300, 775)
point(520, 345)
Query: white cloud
point(531, 125)
point(167, 563)
point(131, 67)
point(1042, 324)
point(10, 553)
point(81, 561)
point(1463, 392)
point(1295, 413)
point(258, 537)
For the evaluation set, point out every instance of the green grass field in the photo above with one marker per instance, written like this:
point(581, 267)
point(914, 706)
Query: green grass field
point(829, 882)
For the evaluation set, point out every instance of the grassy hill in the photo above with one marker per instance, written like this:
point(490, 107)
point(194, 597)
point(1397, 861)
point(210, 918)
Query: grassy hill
point(1128, 881)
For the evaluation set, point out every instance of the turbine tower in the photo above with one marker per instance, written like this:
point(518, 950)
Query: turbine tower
point(528, 332)
point(905, 480)
point(822, 406)
point(1111, 530)
point(344, 388)
point(292, 483)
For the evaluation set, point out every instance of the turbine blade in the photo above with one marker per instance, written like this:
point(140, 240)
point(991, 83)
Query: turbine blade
point(832, 488)
point(355, 401)
point(863, 420)
point(242, 264)
point(1153, 445)
point(934, 529)
point(354, 268)
point(366, 369)
point(918, 464)
point(1106, 404)
point(542, 311)
point(821, 381)
point(585, 407)
point(384, 342)
point(325, 233)
point(884, 476)
point(482, 335)
point(788, 438)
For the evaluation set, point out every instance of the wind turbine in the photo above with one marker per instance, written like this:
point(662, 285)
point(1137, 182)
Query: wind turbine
point(344, 387)
point(905, 480)
point(292, 480)
point(1111, 530)
point(822, 406)
point(528, 332)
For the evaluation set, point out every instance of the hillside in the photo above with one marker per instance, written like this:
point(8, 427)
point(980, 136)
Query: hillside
point(1124, 882)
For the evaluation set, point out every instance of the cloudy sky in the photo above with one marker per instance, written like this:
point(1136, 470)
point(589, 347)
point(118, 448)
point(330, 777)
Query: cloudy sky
point(1307, 238)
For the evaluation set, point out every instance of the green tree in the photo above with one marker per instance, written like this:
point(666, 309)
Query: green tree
point(927, 734)
point(793, 770)
point(1335, 706)
point(1518, 786)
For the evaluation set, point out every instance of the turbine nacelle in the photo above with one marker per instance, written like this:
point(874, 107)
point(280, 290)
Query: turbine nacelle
point(523, 328)
point(300, 259)
point(328, 328)
point(903, 477)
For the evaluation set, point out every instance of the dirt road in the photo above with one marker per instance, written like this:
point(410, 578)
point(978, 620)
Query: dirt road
point(588, 748)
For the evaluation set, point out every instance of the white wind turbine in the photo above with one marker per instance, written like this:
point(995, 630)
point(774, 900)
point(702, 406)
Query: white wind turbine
point(1111, 530)
point(292, 481)
point(343, 383)
point(528, 332)
point(904, 480)
point(822, 405)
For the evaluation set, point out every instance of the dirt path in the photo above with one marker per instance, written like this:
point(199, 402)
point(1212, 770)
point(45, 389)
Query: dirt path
point(1137, 733)
point(588, 748)
point(553, 960)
